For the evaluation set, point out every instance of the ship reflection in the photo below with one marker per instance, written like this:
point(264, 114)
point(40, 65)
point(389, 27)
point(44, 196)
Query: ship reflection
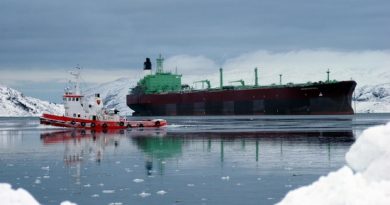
point(80, 144)
point(160, 147)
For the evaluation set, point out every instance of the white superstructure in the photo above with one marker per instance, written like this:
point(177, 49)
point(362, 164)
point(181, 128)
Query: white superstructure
point(77, 106)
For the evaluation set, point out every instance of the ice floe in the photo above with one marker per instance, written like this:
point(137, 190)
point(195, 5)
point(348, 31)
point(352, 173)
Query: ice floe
point(144, 194)
point(110, 191)
point(115, 203)
point(365, 180)
point(138, 180)
point(47, 168)
point(225, 178)
point(161, 192)
point(67, 203)
point(13, 197)
point(9, 196)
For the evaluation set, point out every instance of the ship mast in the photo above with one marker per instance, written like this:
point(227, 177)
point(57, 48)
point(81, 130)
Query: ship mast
point(76, 75)
point(160, 62)
point(327, 72)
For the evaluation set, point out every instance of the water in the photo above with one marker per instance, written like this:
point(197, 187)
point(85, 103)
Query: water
point(195, 160)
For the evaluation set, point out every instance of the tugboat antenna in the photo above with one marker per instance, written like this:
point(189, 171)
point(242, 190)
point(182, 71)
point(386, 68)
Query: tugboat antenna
point(76, 75)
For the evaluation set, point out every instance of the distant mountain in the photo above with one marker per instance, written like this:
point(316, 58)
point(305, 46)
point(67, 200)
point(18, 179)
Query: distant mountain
point(14, 103)
point(113, 94)
point(373, 99)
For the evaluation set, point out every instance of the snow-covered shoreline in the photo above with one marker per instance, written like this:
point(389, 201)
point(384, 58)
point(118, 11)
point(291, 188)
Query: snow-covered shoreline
point(364, 180)
point(367, 99)
point(14, 104)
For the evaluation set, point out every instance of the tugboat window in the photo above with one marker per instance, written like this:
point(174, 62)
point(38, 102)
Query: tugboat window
point(90, 106)
point(77, 99)
point(74, 114)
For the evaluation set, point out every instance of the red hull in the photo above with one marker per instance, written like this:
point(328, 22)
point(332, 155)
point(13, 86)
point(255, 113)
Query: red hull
point(62, 121)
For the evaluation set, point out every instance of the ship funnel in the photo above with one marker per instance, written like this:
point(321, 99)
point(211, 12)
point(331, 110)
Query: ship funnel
point(221, 78)
point(147, 64)
point(256, 78)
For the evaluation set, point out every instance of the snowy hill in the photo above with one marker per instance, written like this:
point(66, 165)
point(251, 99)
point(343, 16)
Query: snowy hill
point(14, 103)
point(114, 94)
point(373, 99)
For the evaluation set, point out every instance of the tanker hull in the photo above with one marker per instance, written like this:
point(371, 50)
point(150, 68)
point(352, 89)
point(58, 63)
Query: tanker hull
point(313, 99)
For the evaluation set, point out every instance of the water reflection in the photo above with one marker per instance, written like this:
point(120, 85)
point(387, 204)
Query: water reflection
point(158, 145)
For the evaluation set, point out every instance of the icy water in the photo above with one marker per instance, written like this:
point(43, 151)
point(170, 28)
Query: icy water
point(195, 160)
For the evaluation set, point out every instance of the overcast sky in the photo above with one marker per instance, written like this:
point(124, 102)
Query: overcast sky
point(49, 37)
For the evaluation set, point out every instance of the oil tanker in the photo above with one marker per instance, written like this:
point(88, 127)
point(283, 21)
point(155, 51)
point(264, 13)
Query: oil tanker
point(162, 93)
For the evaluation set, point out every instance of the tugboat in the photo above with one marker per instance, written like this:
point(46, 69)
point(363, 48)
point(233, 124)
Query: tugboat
point(90, 114)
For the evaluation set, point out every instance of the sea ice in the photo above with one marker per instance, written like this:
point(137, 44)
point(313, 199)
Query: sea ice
point(225, 178)
point(365, 180)
point(47, 168)
point(161, 192)
point(15, 197)
point(138, 180)
point(9, 196)
point(67, 203)
point(108, 191)
point(144, 194)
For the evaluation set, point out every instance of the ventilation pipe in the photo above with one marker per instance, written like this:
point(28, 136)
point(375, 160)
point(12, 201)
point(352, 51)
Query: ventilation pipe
point(220, 78)
point(256, 78)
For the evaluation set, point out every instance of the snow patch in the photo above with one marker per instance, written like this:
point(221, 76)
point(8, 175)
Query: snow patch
point(372, 98)
point(19, 196)
point(9, 196)
point(365, 180)
point(13, 104)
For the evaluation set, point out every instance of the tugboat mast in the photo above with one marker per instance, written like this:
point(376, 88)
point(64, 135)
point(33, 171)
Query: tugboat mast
point(76, 75)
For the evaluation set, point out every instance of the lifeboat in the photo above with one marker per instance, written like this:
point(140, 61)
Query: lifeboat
point(90, 114)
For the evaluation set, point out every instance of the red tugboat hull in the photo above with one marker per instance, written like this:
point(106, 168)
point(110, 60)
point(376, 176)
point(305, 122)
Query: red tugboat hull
point(63, 121)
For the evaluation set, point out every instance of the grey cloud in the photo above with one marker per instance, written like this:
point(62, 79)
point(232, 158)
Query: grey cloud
point(119, 34)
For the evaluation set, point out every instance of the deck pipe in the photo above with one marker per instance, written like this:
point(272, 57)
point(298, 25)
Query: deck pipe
point(256, 78)
point(221, 78)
